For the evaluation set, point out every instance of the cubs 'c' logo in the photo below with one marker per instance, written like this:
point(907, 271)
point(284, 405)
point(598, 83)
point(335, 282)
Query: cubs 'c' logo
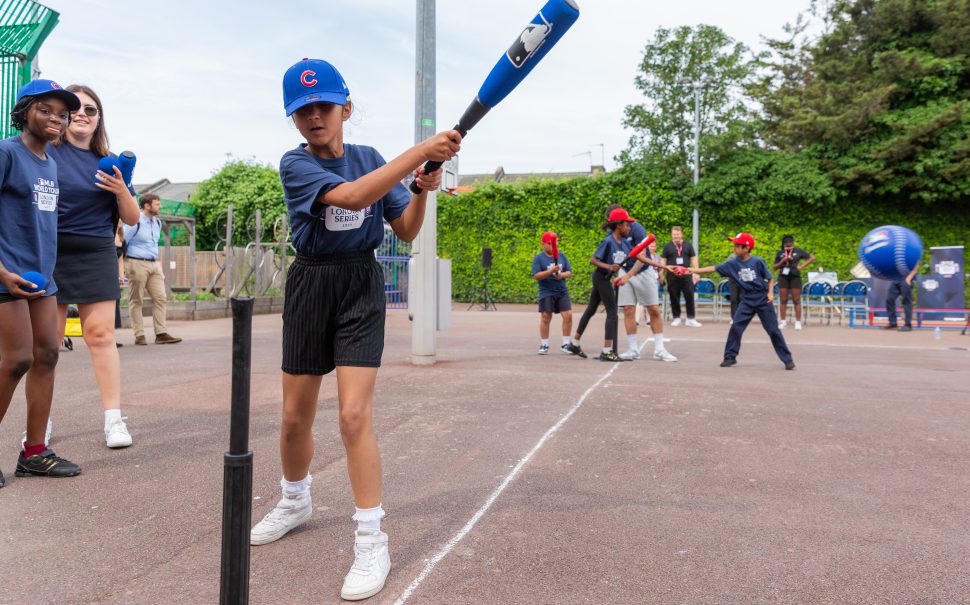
point(528, 42)
point(307, 79)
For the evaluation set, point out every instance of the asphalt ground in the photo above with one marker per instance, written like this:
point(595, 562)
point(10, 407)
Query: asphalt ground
point(515, 478)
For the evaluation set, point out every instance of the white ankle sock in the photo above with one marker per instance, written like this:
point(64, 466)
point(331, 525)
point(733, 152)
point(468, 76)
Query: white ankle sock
point(607, 349)
point(369, 519)
point(566, 340)
point(658, 342)
point(110, 415)
point(631, 341)
point(544, 342)
point(299, 489)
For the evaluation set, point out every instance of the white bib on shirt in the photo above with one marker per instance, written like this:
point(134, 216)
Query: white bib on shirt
point(340, 219)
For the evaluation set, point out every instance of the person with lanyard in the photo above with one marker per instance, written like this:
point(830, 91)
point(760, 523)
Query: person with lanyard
point(338, 196)
point(756, 283)
point(29, 196)
point(612, 250)
point(790, 261)
point(92, 202)
point(678, 253)
point(640, 286)
point(551, 275)
point(144, 272)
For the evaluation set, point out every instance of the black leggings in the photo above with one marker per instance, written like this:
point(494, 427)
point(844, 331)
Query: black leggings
point(602, 293)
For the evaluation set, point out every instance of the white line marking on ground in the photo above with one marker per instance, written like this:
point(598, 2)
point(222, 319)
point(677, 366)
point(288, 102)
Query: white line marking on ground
point(441, 554)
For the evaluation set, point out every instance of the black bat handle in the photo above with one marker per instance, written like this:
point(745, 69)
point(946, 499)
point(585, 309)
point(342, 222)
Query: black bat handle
point(475, 112)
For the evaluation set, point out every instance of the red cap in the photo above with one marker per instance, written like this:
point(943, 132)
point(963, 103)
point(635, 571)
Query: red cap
point(548, 237)
point(744, 239)
point(620, 215)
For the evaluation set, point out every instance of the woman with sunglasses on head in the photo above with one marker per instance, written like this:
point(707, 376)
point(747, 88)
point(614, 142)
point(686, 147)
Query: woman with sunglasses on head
point(87, 263)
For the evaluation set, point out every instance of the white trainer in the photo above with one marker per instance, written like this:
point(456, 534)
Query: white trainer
point(116, 433)
point(290, 513)
point(798, 325)
point(372, 563)
point(782, 324)
point(675, 322)
point(664, 355)
point(47, 436)
point(693, 323)
point(630, 355)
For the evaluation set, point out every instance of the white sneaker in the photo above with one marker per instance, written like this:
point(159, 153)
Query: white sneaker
point(630, 355)
point(798, 325)
point(664, 355)
point(116, 433)
point(47, 436)
point(290, 512)
point(693, 323)
point(675, 322)
point(372, 563)
point(782, 324)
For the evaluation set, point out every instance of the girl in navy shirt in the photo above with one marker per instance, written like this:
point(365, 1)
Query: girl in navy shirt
point(338, 196)
point(28, 242)
point(609, 255)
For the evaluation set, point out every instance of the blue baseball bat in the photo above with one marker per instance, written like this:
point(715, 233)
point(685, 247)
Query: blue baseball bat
point(540, 35)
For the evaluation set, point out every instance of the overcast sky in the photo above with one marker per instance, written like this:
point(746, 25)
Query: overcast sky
point(187, 83)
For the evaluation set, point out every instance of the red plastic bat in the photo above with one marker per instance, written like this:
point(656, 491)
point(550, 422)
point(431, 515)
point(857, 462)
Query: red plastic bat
point(555, 248)
point(642, 245)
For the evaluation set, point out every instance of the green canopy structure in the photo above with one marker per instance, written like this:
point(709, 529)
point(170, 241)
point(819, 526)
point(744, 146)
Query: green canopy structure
point(24, 25)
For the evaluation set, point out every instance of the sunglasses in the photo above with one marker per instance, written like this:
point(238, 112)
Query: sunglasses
point(89, 110)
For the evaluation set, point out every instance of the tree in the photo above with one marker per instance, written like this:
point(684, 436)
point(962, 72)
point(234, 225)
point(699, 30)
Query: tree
point(882, 99)
point(663, 126)
point(247, 186)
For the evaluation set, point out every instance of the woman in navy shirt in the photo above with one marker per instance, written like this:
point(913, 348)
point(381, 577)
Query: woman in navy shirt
point(87, 262)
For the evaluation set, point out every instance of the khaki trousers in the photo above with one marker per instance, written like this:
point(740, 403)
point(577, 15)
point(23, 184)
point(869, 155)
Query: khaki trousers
point(144, 275)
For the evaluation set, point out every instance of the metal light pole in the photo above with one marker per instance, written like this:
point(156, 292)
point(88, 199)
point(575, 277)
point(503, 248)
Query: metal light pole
point(697, 86)
point(423, 304)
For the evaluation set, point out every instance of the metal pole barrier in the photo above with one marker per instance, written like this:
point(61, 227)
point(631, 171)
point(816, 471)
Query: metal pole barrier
point(237, 489)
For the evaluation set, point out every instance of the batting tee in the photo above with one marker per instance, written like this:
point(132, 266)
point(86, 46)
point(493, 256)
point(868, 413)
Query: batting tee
point(24, 25)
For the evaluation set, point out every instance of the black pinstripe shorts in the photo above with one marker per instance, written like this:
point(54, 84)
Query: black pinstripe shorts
point(333, 313)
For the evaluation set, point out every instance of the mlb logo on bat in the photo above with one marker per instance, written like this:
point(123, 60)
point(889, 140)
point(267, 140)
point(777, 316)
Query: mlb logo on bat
point(529, 42)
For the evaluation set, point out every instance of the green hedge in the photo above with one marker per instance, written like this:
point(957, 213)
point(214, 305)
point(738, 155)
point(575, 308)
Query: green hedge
point(510, 218)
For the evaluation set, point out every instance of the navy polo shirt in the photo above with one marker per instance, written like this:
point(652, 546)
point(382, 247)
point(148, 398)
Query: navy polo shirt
point(322, 229)
point(84, 209)
point(751, 276)
point(612, 252)
point(29, 196)
point(550, 286)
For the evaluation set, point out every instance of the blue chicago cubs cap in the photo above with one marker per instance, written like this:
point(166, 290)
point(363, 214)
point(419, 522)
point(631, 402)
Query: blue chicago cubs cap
point(40, 88)
point(313, 81)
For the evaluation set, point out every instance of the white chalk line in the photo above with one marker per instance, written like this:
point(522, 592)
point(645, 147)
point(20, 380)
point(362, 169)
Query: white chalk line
point(441, 554)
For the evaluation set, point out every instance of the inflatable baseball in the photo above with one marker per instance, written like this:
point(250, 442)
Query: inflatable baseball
point(890, 252)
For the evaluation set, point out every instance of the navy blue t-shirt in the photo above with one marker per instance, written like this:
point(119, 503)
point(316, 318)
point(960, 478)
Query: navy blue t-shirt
point(550, 286)
point(28, 212)
point(84, 209)
point(611, 252)
point(322, 229)
point(637, 235)
point(751, 275)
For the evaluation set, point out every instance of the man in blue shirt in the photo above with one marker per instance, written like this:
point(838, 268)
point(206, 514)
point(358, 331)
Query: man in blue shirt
point(551, 269)
point(756, 284)
point(144, 272)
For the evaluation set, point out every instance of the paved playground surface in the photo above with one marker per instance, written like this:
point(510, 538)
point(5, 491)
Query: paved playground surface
point(515, 478)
